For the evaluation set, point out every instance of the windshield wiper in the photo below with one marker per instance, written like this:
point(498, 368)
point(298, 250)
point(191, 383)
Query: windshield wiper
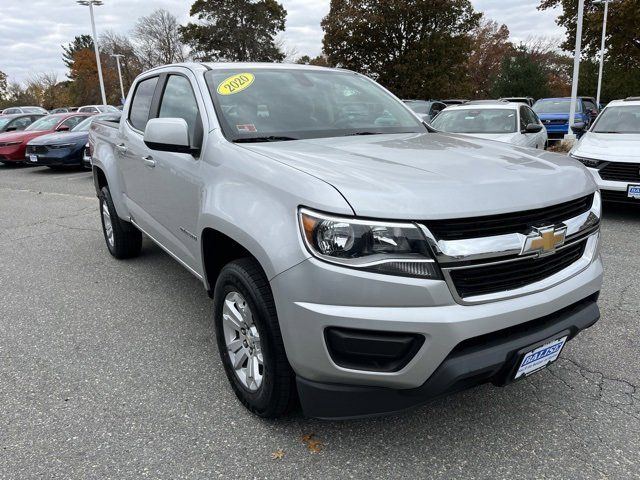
point(270, 138)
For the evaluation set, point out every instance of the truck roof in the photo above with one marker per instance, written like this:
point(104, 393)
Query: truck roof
point(236, 65)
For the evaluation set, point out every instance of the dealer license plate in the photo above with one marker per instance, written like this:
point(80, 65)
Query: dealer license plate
point(33, 158)
point(634, 191)
point(540, 357)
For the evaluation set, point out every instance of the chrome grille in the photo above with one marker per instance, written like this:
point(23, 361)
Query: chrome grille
point(491, 259)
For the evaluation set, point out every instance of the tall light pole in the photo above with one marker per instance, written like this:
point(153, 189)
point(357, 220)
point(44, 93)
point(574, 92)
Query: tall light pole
point(118, 56)
point(576, 71)
point(90, 4)
point(604, 38)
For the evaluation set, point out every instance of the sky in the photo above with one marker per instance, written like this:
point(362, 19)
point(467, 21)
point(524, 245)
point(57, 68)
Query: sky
point(32, 31)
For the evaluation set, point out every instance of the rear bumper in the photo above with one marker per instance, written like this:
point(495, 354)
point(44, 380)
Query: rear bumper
point(473, 362)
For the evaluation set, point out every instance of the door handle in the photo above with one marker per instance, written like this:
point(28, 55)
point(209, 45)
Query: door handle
point(121, 148)
point(149, 161)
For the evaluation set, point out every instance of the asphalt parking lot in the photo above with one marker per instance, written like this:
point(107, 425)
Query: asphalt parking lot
point(109, 369)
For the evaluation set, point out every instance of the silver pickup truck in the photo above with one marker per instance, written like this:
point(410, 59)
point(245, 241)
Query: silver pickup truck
point(359, 262)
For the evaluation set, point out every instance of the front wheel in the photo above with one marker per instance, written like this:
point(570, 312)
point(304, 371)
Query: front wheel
point(122, 238)
point(249, 340)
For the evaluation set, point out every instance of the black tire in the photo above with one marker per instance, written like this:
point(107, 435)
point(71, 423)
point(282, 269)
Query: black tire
point(127, 239)
point(277, 393)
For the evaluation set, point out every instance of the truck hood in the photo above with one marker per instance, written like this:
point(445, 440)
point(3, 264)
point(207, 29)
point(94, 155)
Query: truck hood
point(433, 176)
point(609, 146)
point(61, 138)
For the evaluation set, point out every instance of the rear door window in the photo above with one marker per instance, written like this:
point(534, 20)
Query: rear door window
point(141, 103)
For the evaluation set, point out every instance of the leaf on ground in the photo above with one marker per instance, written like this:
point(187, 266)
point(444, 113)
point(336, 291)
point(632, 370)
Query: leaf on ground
point(313, 444)
point(278, 455)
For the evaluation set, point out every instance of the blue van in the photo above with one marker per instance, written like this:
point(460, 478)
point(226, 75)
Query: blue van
point(554, 114)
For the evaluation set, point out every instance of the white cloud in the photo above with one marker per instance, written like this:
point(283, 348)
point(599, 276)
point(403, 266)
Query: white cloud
point(31, 38)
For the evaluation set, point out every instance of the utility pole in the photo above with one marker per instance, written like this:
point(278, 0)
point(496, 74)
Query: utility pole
point(576, 71)
point(604, 39)
point(118, 56)
point(90, 4)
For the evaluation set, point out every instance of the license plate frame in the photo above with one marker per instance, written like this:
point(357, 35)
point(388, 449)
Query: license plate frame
point(633, 192)
point(539, 356)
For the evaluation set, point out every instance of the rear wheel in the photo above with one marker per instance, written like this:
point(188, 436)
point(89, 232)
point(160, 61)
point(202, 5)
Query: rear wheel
point(122, 238)
point(249, 340)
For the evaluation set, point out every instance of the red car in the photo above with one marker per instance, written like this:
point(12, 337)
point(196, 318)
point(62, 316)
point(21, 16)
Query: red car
point(14, 144)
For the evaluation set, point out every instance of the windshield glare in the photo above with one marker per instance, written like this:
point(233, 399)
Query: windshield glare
point(554, 106)
point(618, 120)
point(298, 104)
point(487, 120)
point(45, 123)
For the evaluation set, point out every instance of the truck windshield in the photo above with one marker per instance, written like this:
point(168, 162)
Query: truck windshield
point(486, 120)
point(290, 104)
point(618, 120)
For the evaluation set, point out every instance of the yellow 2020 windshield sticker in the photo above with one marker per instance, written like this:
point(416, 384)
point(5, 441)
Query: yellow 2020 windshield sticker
point(235, 83)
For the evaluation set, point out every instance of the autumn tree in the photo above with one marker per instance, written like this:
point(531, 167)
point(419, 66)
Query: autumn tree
point(418, 49)
point(236, 30)
point(623, 35)
point(80, 42)
point(131, 65)
point(158, 40)
point(490, 47)
point(86, 87)
point(623, 44)
point(521, 76)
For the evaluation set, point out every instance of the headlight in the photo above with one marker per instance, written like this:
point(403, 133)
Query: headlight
point(382, 247)
point(587, 162)
point(9, 144)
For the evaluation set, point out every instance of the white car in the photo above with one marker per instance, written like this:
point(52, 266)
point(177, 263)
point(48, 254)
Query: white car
point(506, 122)
point(611, 151)
point(13, 110)
point(98, 109)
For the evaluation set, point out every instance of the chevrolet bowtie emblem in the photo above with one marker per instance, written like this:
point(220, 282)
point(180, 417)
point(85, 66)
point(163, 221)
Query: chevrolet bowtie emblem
point(544, 240)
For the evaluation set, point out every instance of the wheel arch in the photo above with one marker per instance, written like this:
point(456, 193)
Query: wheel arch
point(218, 249)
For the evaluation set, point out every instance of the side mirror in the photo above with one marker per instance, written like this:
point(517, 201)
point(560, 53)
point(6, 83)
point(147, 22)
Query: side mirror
point(168, 135)
point(533, 128)
point(579, 126)
point(63, 128)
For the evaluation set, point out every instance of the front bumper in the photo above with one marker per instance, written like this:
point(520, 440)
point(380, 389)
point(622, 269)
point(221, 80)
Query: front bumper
point(55, 157)
point(490, 359)
point(314, 296)
point(12, 154)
